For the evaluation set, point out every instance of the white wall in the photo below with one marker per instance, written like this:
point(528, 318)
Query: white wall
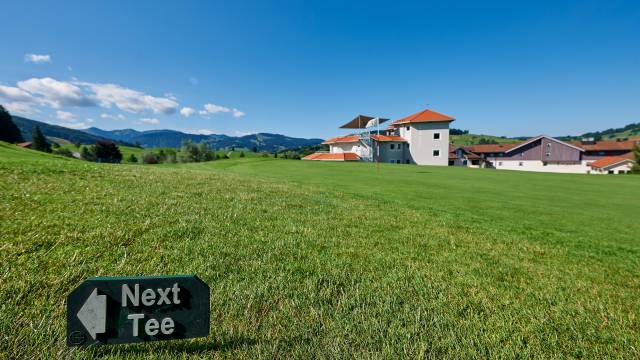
point(538, 165)
point(618, 169)
point(340, 148)
point(422, 144)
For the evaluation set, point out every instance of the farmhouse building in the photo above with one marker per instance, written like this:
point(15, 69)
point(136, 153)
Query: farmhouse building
point(423, 139)
point(546, 154)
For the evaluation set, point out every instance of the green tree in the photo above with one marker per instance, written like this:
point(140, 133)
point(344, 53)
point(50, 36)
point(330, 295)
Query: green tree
point(241, 154)
point(636, 156)
point(38, 141)
point(86, 154)
point(189, 152)
point(255, 149)
point(9, 132)
point(132, 158)
point(106, 151)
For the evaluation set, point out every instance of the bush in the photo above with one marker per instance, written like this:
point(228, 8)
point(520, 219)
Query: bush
point(132, 158)
point(241, 154)
point(63, 152)
point(106, 152)
point(150, 158)
point(190, 152)
point(86, 154)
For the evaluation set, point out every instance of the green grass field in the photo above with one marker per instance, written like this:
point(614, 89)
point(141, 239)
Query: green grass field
point(326, 260)
point(473, 139)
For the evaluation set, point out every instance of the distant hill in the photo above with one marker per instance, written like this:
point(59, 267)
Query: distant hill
point(631, 130)
point(173, 138)
point(474, 139)
point(58, 132)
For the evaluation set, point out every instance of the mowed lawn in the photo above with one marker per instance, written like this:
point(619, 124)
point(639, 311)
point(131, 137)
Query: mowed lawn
point(326, 260)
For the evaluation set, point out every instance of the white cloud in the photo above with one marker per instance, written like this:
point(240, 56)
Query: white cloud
point(130, 100)
point(201, 132)
point(237, 113)
point(11, 93)
point(56, 93)
point(187, 111)
point(112, 117)
point(65, 116)
point(20, 108)
point(149, 121)
point(38, 59)
point(76, 125)
point(216, 109)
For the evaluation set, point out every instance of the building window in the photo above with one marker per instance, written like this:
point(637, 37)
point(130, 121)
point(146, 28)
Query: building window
point(392, 161)
point(407, 161)
point(408, 128)
point(544, 163)
point(499, 163)
point(397, 161)
point(520, 163)
point(392, 146)
point(436, 136)
point(406, 146)
point(436, 153)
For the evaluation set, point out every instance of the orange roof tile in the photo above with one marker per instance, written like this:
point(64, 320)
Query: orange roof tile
point(348, 156)
point(424, 116)
point(388, 138)
point(607, 145)
point(608, 161)
point(343, 139)
point(490, 148)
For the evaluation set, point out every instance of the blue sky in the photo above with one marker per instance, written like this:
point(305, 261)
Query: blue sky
point(303, 68)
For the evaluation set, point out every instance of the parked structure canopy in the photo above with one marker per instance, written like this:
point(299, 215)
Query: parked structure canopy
point(360, 122)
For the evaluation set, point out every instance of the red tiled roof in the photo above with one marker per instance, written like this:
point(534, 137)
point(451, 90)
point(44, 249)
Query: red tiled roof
point(348, 156)
point(608, 145)
point(608, 161)
point(490, 148)
point(343, 139)
point(424, 116)
point(25, 144)
point(388, 138)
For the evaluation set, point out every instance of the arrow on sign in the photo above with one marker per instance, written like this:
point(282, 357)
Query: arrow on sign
point(93, 314)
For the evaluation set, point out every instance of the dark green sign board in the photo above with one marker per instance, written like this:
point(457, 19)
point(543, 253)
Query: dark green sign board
point(137, 309)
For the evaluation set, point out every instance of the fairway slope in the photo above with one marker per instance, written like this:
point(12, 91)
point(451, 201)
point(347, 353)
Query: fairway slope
point(316, 260)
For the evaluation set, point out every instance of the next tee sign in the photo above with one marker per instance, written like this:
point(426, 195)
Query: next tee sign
point(124, 310)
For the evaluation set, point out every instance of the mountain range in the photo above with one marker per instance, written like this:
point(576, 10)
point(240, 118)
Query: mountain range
point(163, 138)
